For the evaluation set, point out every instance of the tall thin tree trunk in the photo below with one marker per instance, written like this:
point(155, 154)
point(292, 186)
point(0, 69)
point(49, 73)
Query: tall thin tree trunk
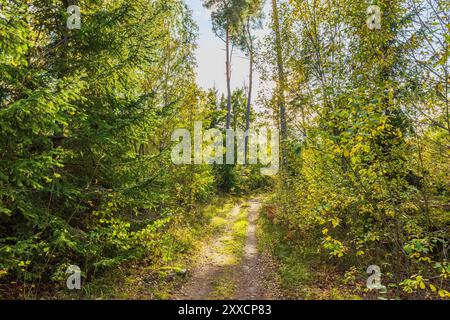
point(228, 71)
point(281, 81)
point(249, 97)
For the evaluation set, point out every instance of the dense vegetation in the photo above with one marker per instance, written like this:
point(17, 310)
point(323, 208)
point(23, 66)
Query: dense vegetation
point(86, 118)
point(366, 175)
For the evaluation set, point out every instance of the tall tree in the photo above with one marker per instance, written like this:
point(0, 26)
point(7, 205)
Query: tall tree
point(281, 101)
point(226, 17)
point(251, 18)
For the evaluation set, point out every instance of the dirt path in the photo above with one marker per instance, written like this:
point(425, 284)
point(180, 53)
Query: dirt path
point(212, 260)
point(252, 277)
point(230, 267)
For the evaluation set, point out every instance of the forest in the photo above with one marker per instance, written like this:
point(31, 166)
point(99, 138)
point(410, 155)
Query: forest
point(92, 91)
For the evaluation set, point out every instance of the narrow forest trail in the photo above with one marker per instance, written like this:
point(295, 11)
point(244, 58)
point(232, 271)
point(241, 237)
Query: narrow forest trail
point(230, 266)
point(252, 282)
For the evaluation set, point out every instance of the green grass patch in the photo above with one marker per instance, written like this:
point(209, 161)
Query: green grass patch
point(224, 286)
point(234, 245)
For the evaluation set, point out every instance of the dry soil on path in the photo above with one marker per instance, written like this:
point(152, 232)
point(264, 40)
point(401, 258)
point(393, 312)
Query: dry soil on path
point(244, 272)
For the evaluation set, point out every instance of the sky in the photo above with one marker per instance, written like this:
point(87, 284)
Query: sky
point(211, 55)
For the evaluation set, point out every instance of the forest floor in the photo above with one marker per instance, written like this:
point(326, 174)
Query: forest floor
point(230, 266)
point(233, 250)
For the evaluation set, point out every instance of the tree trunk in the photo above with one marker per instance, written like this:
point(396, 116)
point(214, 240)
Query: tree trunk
point(249, 97)
point(228, 71)
point(281, 80)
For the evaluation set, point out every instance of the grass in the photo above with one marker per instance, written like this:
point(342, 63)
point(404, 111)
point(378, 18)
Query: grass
point(218, 223)
point(236, 242)
point(233, 247)
point(224, 286)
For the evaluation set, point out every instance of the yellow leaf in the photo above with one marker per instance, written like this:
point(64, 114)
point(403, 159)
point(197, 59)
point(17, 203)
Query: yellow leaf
point(422, 285)
point(432, 287)
point(443, 293)
point(325, 231)
point(335, 222)
point(346, 153)
point(390, 213)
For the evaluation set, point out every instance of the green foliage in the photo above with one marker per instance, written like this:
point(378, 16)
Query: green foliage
point(85, 170)
point(360, 183)
point(86, 115)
